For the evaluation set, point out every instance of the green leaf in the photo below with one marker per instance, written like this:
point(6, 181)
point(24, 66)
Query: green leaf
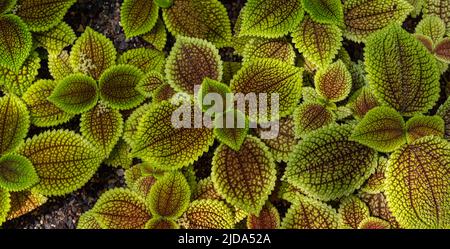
point(205, 190)
point(375, 183)
point(364, 17)
point(245, 178)
point(144, 58)
point(163, 3)
point(149, 83)
point(117, 87)
point(15, 42)
point(401, 72)
point(64, 161)
point(59, 64)
point(230, 68)
point(311, 116)
point(163, 92)
point(18, 82)
point(231, 128)
point(212, 93)
point(42, 15)
point(382, 129)
point(15, 121)
point(310, 214)
point(440, 8)
point(160, 142)
point(133, 174)
point(102, 127)
point(334, 82)
point(422, 126)
point(379, 207)
point(271, 18)
point(318, 42)
point(157, 36)
point(444, 113)
point(260, 48)
point(207, 214)
point(130, 128)
point(6, 6)
point(418, 5)
point(170, 195)
point(5, 205)
point(16, 173)
point(143, 185)
point(75, 94)
point(138, 17)
point(24, 202)
point(362, 101)
point(325, 11)
point(161, 223)
point(88, 221)
point(352, 211)
point(120, 156)
point(186, 58)
point(328, 165)
point(268, 218)
point(442, 50)
point(57, 38)
point(374, 223)
point(121, 209)
point(204, 19)
point(417, 180)
point(92, 54)
point(431, 26)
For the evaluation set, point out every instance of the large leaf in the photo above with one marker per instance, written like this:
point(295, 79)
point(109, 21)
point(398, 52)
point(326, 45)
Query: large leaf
point(422, 126)
point(143, 58)
point(24, 202)
point(401, 72)
point(334, 82)
point(64, 161)
point(310, 116)
point(138, 17)
point(352, 211)
point(5, 205)
point(15, 42)
point(15, 121)
point(325, 11)
point(18, 82)
point(57, 38)
point(16, 173)
point(207, 214)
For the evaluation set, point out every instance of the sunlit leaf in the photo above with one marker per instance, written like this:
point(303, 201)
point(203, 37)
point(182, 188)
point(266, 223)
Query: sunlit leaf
point(15, 42)
point(352, 211)
point(279, 49)
point(334, 82)
point(59, 64)
point(207, 214)
point(431, 26)
point(374, 223)
point(422, 126)
point(15, 121)
point(144, 58)
point(325, 11)
point(231, 128)
point(157, 36)
point(16, 173)
point(24, 202)
point(18, 82)
point(138, 17)
point(310, 116)
point(149, 83)
point(268, 218)
point(161, 223)
point(57, 38)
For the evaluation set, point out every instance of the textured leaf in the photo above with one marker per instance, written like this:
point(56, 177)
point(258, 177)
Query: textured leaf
point(88, 221)
point(382, 129)
point(163, 92)
point(7, 5)
point(92, 54)
point(143, 58)
point(16, 173)
point(442, 50)
point(417, 180)
point(168, 147)
point(161, 223)
point(422, 126)
point(207, 214)
point(418, 5)
point(205, 190)
point(401, 72)
point(143, 185)
point(319, 43)
point(44, 113)
point(309, 94)
point(15, 42)
point(24, 202)
point(117, 87)
point(18, 82)
point(375, 183)
point(374, 223)
point(310, 214)
point(190, 61)
point(311, 116)
point(170, 195)
point(5, 205)
point(352, 211)
point(432, 27)
point(334, 82)
point(209, 94)
point(59, 64)
point(57, 38)
point(64, 161)
point(364, 17)
point(440, 8)
point(121, 209)
point(102, 127)
point(157, 36)
point(444, 113)
point(138, 17)
point(231, 128)
point(132, 175)
point(325, 11)
point(268, 218)
point(149, 83)
point(75, 94)
point(379, 207)
point(230, 68)
point(120, 156)
point(362, 101)
point(42, 15)
point(130, 128)
point(204, 19)
point(246, 177)
point(270, 19)
point(15, 121)
point(279, 49)
point(328, 165)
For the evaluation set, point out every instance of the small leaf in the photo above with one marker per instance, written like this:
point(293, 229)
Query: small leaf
point(352, 211)
point(7, 5)
point(261, 48)
point(334, 82)
point(163, 3)
point(143, 185)
point(214, 97)
point(231, 128)
point(18, 82)
point(15, 42)
point(16, 173)
point(75, 94)
point(132, 175)
point(15, 121)
point(130, 128)
point(207, 214)
point(121, 209)
point(310, 214)
point(57, 38)
point(422, 126)
point(325, 11)
point(205, 190)
point(88, 221)
point(92, 54)
point(143, 58)
point(138, 17)
point(328, 165)
point(431, 26)
point(270, 19)
point(444, 113)
point(318, 42)
point(245, 178)
point(382, 129)
point(64, 161)
point(379, 207)
point(170, 195)
point(230, 68)
point(309, 94)
point(24, 202)
point(362, 101)
point(157, 36)
point(149, 83)
point(190, 61)
point(120, 156)
point(59, 64)
point(375, 183)
point(5, 205)
point(268, 218)
point(440, 8)
point(374, 223)
point(161, 223)
point(163, 92)
point(311, 116)
point(442, 50)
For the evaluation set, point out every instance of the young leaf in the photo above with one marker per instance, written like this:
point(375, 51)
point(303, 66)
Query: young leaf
point(375, 183)
point(143, 185)
point(230, 68)
point(143, 58)
point(158, 141)
point(16, 173)
point(362, 101)
point(64, 161)
point(75, 94)
point(7, 5)
point(44, 113)
point(157, 36)
point(92, 54)
point(204, 19)
point(133, 174)
point(59, 64)
point(401, 72)
point(117, 87)
point(138, 17)
point(444, 113)
point(5, 205)
point(334, 82)
point(417, 179)
point(149, 83)
point(325, 11)
point(121, 209)
point(268, 218)
point(18, 82)
point(374, 223)
point(24, 202)
point(431, 26)
point(231, 128)
point(426, 41)
point(442, 50)
point(422, 126)
point(161, 223)
point(364, 17)
point(102, 127)
point(57, 38)
point(310, 214)
point(205, 190)
point(382, 129)
point(261, 48)
point(120, 156)
point(440, 8)
point(170, 195)
point(42, 15)
point(190, 61)
point(207, 214)
point(212, 93)
point(310, 116)
point(163, 92)
point(379, 207)
point(130, 128)
point(352, 211)
point(270, 19)
point(15, 42)
point(328, 165)
point(318, 42)
point(246, 177)
point(15, 121)
point(88, 221)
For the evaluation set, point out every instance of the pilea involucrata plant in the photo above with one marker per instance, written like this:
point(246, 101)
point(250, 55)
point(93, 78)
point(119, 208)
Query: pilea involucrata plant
point(293, 114)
